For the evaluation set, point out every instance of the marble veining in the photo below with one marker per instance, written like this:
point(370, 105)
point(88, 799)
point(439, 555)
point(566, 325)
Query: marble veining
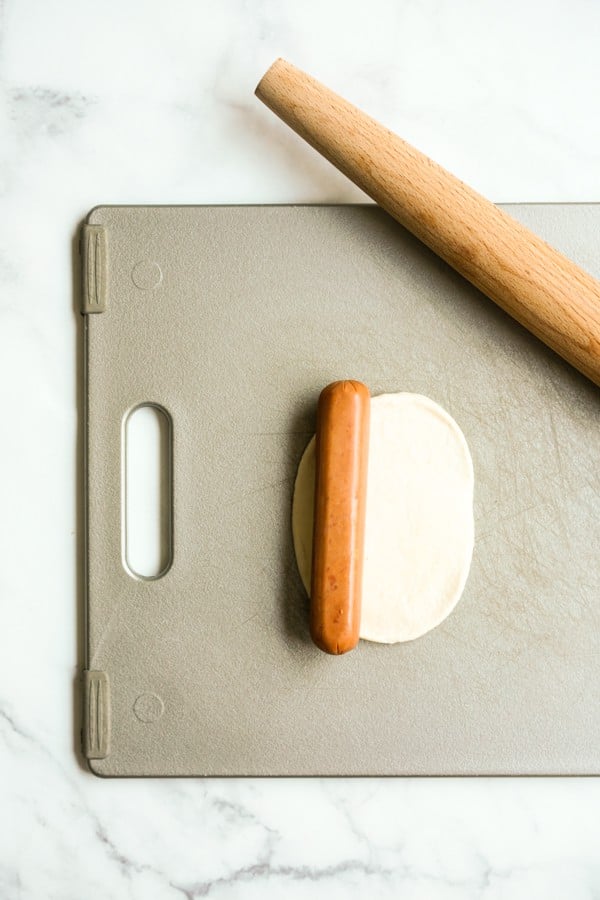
point(145, 102)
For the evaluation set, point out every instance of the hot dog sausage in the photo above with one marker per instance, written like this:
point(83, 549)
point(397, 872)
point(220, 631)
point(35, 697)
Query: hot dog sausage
point(342, 448)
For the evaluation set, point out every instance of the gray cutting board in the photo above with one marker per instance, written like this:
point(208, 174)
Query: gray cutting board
point(233, 319)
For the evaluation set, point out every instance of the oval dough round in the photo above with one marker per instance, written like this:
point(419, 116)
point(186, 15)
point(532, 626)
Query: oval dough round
point(419, 519)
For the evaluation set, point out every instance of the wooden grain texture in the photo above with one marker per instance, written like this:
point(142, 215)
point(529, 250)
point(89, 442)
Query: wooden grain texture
point(546, 292)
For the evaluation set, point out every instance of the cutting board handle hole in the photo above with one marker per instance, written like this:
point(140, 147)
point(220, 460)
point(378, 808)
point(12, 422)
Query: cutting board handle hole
point(147, 495)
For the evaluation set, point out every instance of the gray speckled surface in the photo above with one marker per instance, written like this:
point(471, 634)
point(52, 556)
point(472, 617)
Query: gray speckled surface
point(258, 308)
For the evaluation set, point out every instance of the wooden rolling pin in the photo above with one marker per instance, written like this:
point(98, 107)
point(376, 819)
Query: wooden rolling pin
point(533, 282)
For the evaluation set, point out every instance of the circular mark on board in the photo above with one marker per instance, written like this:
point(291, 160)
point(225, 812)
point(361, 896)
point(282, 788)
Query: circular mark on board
point(148, 707)
point(146, 275)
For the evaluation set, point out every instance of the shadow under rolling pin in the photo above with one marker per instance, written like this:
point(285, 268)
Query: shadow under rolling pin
point(542, 289)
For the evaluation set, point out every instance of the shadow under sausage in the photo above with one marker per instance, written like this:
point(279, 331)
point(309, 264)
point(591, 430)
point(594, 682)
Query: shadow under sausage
point(295, 603)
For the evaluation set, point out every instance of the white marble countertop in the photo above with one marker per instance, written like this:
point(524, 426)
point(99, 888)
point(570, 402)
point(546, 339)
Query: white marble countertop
point(137, 102)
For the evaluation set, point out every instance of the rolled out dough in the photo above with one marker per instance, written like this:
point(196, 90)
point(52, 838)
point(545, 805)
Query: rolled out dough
point(419, 520)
